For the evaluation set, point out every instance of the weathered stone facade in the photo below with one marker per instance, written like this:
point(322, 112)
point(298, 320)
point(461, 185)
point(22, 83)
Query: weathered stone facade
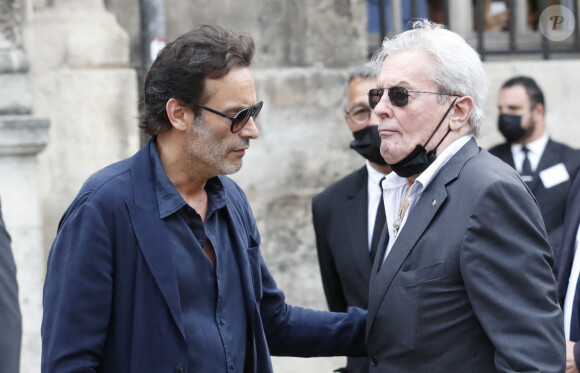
point(80, 68)
point(22, 137)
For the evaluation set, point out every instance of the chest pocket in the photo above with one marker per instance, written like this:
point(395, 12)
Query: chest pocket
point(255, 269)
point(420, 275)
point(249, 243)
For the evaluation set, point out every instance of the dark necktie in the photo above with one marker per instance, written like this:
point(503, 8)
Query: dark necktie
point(380, 220)
point(526, 166)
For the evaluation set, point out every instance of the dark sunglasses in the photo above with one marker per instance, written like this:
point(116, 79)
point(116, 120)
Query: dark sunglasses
point(241, 118)
point(398, 96)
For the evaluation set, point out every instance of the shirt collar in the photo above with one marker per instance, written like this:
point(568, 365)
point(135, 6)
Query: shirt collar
point(536, 147)
point(425, 178)
point(393, 180)
point(168, 198)
point(374, 175)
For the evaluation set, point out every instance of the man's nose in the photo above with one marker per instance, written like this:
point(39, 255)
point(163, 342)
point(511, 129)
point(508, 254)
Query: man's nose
point(250, 130)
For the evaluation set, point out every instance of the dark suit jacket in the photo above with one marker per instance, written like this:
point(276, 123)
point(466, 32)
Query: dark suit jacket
point(566, 252)
point(340, 217)
point(10, 317)
point(111, 299)
point(552, 201)
point(468, 285)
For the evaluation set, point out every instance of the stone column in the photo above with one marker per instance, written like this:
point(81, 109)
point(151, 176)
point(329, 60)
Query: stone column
point(397, 16)
point(82, 81)
point(461, 17)
point(521, 17)
point(22, 137)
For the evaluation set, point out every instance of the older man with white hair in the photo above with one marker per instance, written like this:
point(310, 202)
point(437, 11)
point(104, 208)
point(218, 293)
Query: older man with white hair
point(463, 282)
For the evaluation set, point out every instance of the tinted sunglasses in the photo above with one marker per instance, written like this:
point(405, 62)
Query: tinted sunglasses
point(398, 96)
point(241, 118)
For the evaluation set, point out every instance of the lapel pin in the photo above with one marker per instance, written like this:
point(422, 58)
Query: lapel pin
point(434, 202)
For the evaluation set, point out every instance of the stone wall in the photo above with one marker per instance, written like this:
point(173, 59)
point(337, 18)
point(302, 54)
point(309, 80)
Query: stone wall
point(81, 80)
point(83, 56)
point(287, 33)
point(22, 137)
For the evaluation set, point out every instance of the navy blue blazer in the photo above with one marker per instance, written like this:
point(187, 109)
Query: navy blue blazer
point(552, 201)
point(111, 293)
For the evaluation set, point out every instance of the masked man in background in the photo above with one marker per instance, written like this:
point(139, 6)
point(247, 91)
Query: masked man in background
point(548, 167)
point(349, 215)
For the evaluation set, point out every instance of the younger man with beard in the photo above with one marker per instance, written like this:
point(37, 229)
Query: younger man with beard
point(547, 167)
point(156, 266)
point(348, 216)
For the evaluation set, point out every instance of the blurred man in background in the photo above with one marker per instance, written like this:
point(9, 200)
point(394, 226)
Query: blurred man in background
point(349, 215)
point(546, 166)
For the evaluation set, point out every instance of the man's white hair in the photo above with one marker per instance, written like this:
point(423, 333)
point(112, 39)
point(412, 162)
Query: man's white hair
point(457, 68)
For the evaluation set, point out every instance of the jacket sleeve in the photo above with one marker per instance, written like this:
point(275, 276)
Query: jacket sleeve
point(77, 293)
point(296, 331)
point(301, 332)
point(506, 264)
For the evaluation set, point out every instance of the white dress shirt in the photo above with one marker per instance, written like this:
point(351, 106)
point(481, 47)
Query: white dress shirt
point(536, 149)
point(571, 290)
point(394, 188)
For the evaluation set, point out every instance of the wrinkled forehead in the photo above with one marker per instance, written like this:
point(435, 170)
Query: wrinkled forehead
point(406, 68)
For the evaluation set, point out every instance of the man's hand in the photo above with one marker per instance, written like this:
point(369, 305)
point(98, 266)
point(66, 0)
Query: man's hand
point(570, 362)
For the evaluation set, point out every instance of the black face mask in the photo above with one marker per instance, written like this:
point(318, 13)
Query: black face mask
point(418, 160)
point(510, 127)
point(367, 143)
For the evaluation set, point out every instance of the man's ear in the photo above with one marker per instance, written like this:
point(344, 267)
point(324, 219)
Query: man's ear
point(179, 115)
point(460, 113)
point(538, 111)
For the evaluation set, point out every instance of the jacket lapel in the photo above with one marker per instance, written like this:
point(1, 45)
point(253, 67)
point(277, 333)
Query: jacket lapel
point(550, 157)
point(239, 248)
point(151, 232)
point(417, 222)
point(259, 359)
point(356, 216)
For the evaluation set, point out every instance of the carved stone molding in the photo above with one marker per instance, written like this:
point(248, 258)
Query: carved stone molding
point(23, 134)
point(11, 20)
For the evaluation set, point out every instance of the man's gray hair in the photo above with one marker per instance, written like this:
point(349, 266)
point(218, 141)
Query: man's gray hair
point(365, 71)
point(457, 68)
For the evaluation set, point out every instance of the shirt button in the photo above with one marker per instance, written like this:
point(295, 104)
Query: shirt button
point(232, 365)
point(179, 369)
point(222, 321)
point(374, 361)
